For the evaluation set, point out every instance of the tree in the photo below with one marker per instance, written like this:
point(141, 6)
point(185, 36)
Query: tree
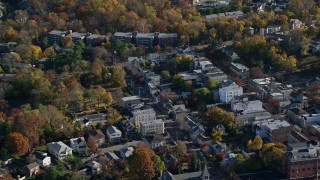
point(113, 115)
point(217, 135)
point(194, 162)
point(165, 74)
point(256, 144)
point(212, 84)
point(158, 164)
point(256, 73)
point(313, 92)
point(180, 149)
point(202, 93)
point(141, 164)
point(92, 145)
point(118, 76)
point(101, 95)
point(217, 115)
point(17, 143)
point(271, 154)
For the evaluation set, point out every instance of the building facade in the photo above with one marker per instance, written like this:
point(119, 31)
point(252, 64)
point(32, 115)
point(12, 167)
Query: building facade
point(152, 127)
point(144, 115)
point(229, 90)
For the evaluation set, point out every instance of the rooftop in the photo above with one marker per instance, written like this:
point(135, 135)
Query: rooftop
point(143, 111)
point(130, 98)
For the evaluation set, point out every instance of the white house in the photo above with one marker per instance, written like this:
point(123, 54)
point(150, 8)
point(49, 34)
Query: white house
point(114, 134)
point(143, 115)
point(78, 145)
point(229, 90)
point(94, 167)
point(152, 127)
point(42, 158)
point(59, 150)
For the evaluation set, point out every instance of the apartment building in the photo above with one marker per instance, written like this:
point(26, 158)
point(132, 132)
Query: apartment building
point(152, 127)
point(144, 115)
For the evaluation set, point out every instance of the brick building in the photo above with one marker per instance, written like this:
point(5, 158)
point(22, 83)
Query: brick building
point(302, 162)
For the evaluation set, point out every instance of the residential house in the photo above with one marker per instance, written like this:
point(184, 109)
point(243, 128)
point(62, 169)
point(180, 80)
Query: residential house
point(273, 29)
point(219, 147)
point(239, 70)
point(94, 167)
point(98, 136)
point(297, 137)
point(76, 36)
point(315, 46)
point(203, 140)
point(31, 169)
point(214, 73)
point(229, 159)
point(155, 141)
point(59, 150)
point(112, 159)
point(179, 112)
point(153, 78)
point(274, 130)
point(152, 127)
point(302, 161)
point(195, 128)
point(78, 145)
point(114, 134)
point(167, 94)
point(132, 102)
point(295, 24)
point(300, 99)
point(7, 47)
point(42, 158)
point(295, 115)
point(143, 115)
point(125, 153)
point(229, 90)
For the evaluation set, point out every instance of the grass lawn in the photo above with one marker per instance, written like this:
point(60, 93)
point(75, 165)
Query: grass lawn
point(42, 148)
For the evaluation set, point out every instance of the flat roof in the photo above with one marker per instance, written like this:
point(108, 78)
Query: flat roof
point(130, 98)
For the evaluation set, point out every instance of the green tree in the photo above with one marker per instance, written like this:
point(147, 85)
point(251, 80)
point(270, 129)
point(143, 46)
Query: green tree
point(194, 162)
point(202, 93)
point(165, 74)
point(212, 84)
point(158, 164)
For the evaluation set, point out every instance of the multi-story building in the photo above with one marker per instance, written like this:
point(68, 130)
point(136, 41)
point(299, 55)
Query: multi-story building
point(55, 36)
point(123, 36)
point(248, 112)
point(95, 39)
point(295, 24)
point(315, 46)
point(229, 90)
point(274, 130)
point(144, 115)
point(239, 70)
point(302, 161)
point(152, 127)
point(148, 39)
point(233, 14)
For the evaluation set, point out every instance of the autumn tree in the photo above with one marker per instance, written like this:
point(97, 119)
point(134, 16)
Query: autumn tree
point(271, 154)
point(313, 92)
point(118, 76)
point(256, 144)
point(217, 115)
point(102, 96)
point(141, 164)
point(180, 149)
point(17, 143)
point(217, 135)
point(256, 73)
point(113, 115)
point(92, 145)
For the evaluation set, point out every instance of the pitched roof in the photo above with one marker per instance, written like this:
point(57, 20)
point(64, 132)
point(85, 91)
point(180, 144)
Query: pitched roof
point(113, 129)
point(32, 165)
point(96, 134)
point(60, 147)
point(166, 175)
